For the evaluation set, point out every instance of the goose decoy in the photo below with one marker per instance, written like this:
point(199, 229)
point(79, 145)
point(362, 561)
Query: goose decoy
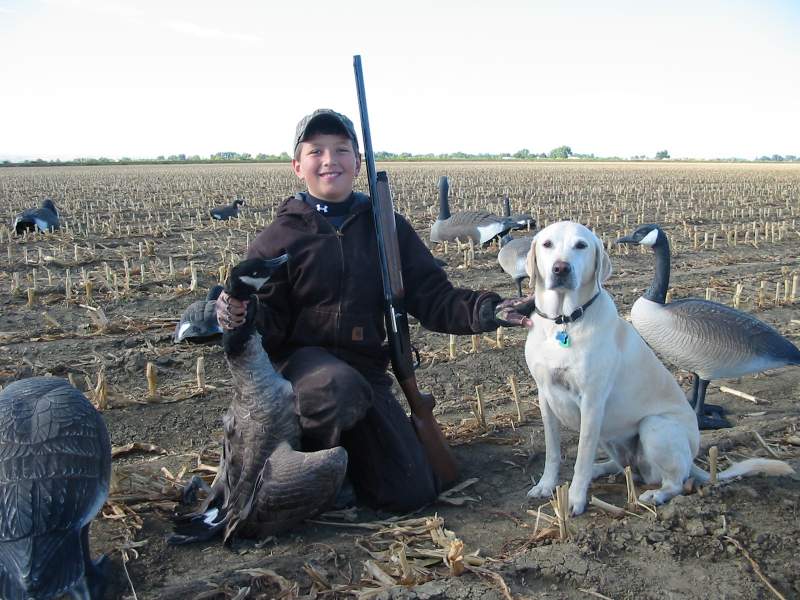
point(223, 213)
point(55, 468)
point(264, 485)
point(523, 220)
point(512, 256)
point(199, 321)
point(479, 226)
point(44, 218)
point(711, 340)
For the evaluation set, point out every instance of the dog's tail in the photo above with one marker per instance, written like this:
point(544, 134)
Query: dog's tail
point(751, 466)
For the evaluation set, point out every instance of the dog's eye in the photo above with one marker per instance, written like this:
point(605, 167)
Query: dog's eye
point(580, 245)
point(547, 244)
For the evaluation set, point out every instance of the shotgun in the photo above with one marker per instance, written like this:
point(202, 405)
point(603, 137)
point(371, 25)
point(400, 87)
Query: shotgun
point(427, 429)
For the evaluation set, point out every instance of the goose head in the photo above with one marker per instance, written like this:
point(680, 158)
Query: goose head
point(644, 235)
point(444, 207)
point(250, 275)
point(238, 202)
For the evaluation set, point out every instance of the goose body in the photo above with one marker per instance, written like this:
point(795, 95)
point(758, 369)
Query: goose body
point(223, 213)
point(478, 226)
point(512, 258)
point(199, 321)
point(44, 218)
point(711, 340)
point(55, 468)
point(264, 485)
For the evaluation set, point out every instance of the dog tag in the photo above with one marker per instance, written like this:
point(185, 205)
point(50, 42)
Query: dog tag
point(563, 339)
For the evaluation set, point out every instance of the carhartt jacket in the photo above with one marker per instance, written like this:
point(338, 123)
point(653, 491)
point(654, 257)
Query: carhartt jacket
point(329, 292)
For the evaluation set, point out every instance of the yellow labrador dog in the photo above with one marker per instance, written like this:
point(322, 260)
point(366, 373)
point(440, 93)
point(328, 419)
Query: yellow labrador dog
point(596, 375)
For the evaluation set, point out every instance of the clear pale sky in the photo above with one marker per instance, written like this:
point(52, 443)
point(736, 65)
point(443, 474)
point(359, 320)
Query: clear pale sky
point(703, 79)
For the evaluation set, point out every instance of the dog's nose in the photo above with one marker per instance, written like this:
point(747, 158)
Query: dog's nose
point(561, 268)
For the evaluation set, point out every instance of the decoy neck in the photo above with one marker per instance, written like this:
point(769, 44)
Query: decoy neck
point(506, 206)
point(214, 293)
point(444, 208)
point(49, 205)
point(245, 280)
point(654, 236)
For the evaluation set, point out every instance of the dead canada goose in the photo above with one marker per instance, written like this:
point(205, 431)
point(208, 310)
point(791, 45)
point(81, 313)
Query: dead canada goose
point(512, 258)
point(711, 340)
point(44, 218)
point(223, 213)
point(55, 468)
point(478, 226)
point(264, 486)
point(199, 321)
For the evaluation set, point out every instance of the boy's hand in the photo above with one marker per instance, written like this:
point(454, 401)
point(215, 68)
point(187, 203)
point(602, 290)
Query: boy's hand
point(230, 311)
point(515, 312)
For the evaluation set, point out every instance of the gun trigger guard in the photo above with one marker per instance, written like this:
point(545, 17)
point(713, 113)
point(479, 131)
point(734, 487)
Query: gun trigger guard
point(417, 361)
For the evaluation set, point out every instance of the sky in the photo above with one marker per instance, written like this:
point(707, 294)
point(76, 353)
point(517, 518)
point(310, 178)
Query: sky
point(142, 78)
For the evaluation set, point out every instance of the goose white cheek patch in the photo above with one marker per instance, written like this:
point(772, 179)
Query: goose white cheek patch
point(254, 282)
point(650, 238)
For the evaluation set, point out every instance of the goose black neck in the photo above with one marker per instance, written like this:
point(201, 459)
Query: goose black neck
point(444, 208)
point(506, 206)
point(657, 292)
point(235, 340)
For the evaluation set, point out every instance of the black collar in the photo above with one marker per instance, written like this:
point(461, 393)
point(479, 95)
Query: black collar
point(572, 317)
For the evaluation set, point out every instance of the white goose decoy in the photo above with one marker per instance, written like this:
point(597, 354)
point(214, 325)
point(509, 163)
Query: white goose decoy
point(44, 218)
point(199, 321)
point(711, 340)
point(479, 226)
point(264, 484)
point(223, 213)
point(512, 257)
point(55, 469)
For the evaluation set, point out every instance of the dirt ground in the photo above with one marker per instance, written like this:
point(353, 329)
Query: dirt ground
point(738, 540)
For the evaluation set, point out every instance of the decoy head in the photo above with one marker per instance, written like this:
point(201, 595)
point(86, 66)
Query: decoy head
point(238, 202)
point(444, 190)
point(248, 276)
point(49, 205)
point(645, 235)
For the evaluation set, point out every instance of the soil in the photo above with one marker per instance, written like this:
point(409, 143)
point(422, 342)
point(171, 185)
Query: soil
point(738, 540)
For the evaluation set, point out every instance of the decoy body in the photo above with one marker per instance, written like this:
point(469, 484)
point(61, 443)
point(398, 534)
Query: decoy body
point(55, 468)
point(44, 218)
point(512, 257)
point(223, 213)
point(711, 340)
point(264, 485)
point(199, 321)
point(478, 226)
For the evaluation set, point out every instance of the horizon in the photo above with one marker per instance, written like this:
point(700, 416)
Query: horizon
point(93, 78)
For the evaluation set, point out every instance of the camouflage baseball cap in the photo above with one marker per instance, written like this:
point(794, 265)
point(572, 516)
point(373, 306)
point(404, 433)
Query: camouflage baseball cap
point(324, 114)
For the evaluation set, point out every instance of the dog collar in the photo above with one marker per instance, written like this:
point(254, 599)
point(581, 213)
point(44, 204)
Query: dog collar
point(570, 318)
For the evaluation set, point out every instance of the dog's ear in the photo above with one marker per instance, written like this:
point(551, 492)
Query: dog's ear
point(530, 263)
point(602, 262)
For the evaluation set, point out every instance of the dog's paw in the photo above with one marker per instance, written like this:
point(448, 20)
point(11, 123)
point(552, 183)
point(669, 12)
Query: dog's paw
point(542, 490)
point(577, 503)
point(659, 496)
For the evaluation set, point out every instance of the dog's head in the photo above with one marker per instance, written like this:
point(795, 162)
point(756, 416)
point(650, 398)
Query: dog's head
point(567, 256)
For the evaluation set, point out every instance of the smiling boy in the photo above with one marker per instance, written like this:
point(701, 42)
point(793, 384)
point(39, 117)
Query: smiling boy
point(322, 323)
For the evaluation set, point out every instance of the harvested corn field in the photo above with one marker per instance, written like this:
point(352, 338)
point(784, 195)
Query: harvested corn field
point(97, 302)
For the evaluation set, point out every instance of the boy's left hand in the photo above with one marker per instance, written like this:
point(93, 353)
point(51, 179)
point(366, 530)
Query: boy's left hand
point(515, 312)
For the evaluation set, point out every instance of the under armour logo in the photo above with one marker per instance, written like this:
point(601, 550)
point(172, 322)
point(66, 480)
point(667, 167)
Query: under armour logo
point(323, 208)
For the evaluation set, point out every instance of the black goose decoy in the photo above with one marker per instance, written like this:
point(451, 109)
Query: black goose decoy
point(711, 340)
point(264, 485)
point(55, 468)
point(44, 218)
point(479, 226)
point(199, 321)
point(223, 213)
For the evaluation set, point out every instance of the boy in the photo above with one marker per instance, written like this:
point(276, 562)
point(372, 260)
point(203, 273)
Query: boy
point(322, 323)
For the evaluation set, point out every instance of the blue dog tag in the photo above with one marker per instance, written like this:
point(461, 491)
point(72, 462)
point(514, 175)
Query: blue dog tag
point(563, 339)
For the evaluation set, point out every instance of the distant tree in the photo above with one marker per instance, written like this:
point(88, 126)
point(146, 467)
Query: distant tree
point(524, 153)
point(662, 154)
point(561, 152)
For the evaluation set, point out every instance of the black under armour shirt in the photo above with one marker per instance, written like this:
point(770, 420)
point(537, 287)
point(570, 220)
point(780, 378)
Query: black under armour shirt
point(335, 212)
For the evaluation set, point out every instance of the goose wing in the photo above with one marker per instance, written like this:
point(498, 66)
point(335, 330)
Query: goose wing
point(711, 339)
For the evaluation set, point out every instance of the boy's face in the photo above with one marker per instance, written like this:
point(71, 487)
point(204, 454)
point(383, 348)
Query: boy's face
point(328, 164)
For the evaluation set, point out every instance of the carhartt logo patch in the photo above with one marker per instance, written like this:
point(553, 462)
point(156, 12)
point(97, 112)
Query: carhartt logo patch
point(358, 334)
point(323, 208)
